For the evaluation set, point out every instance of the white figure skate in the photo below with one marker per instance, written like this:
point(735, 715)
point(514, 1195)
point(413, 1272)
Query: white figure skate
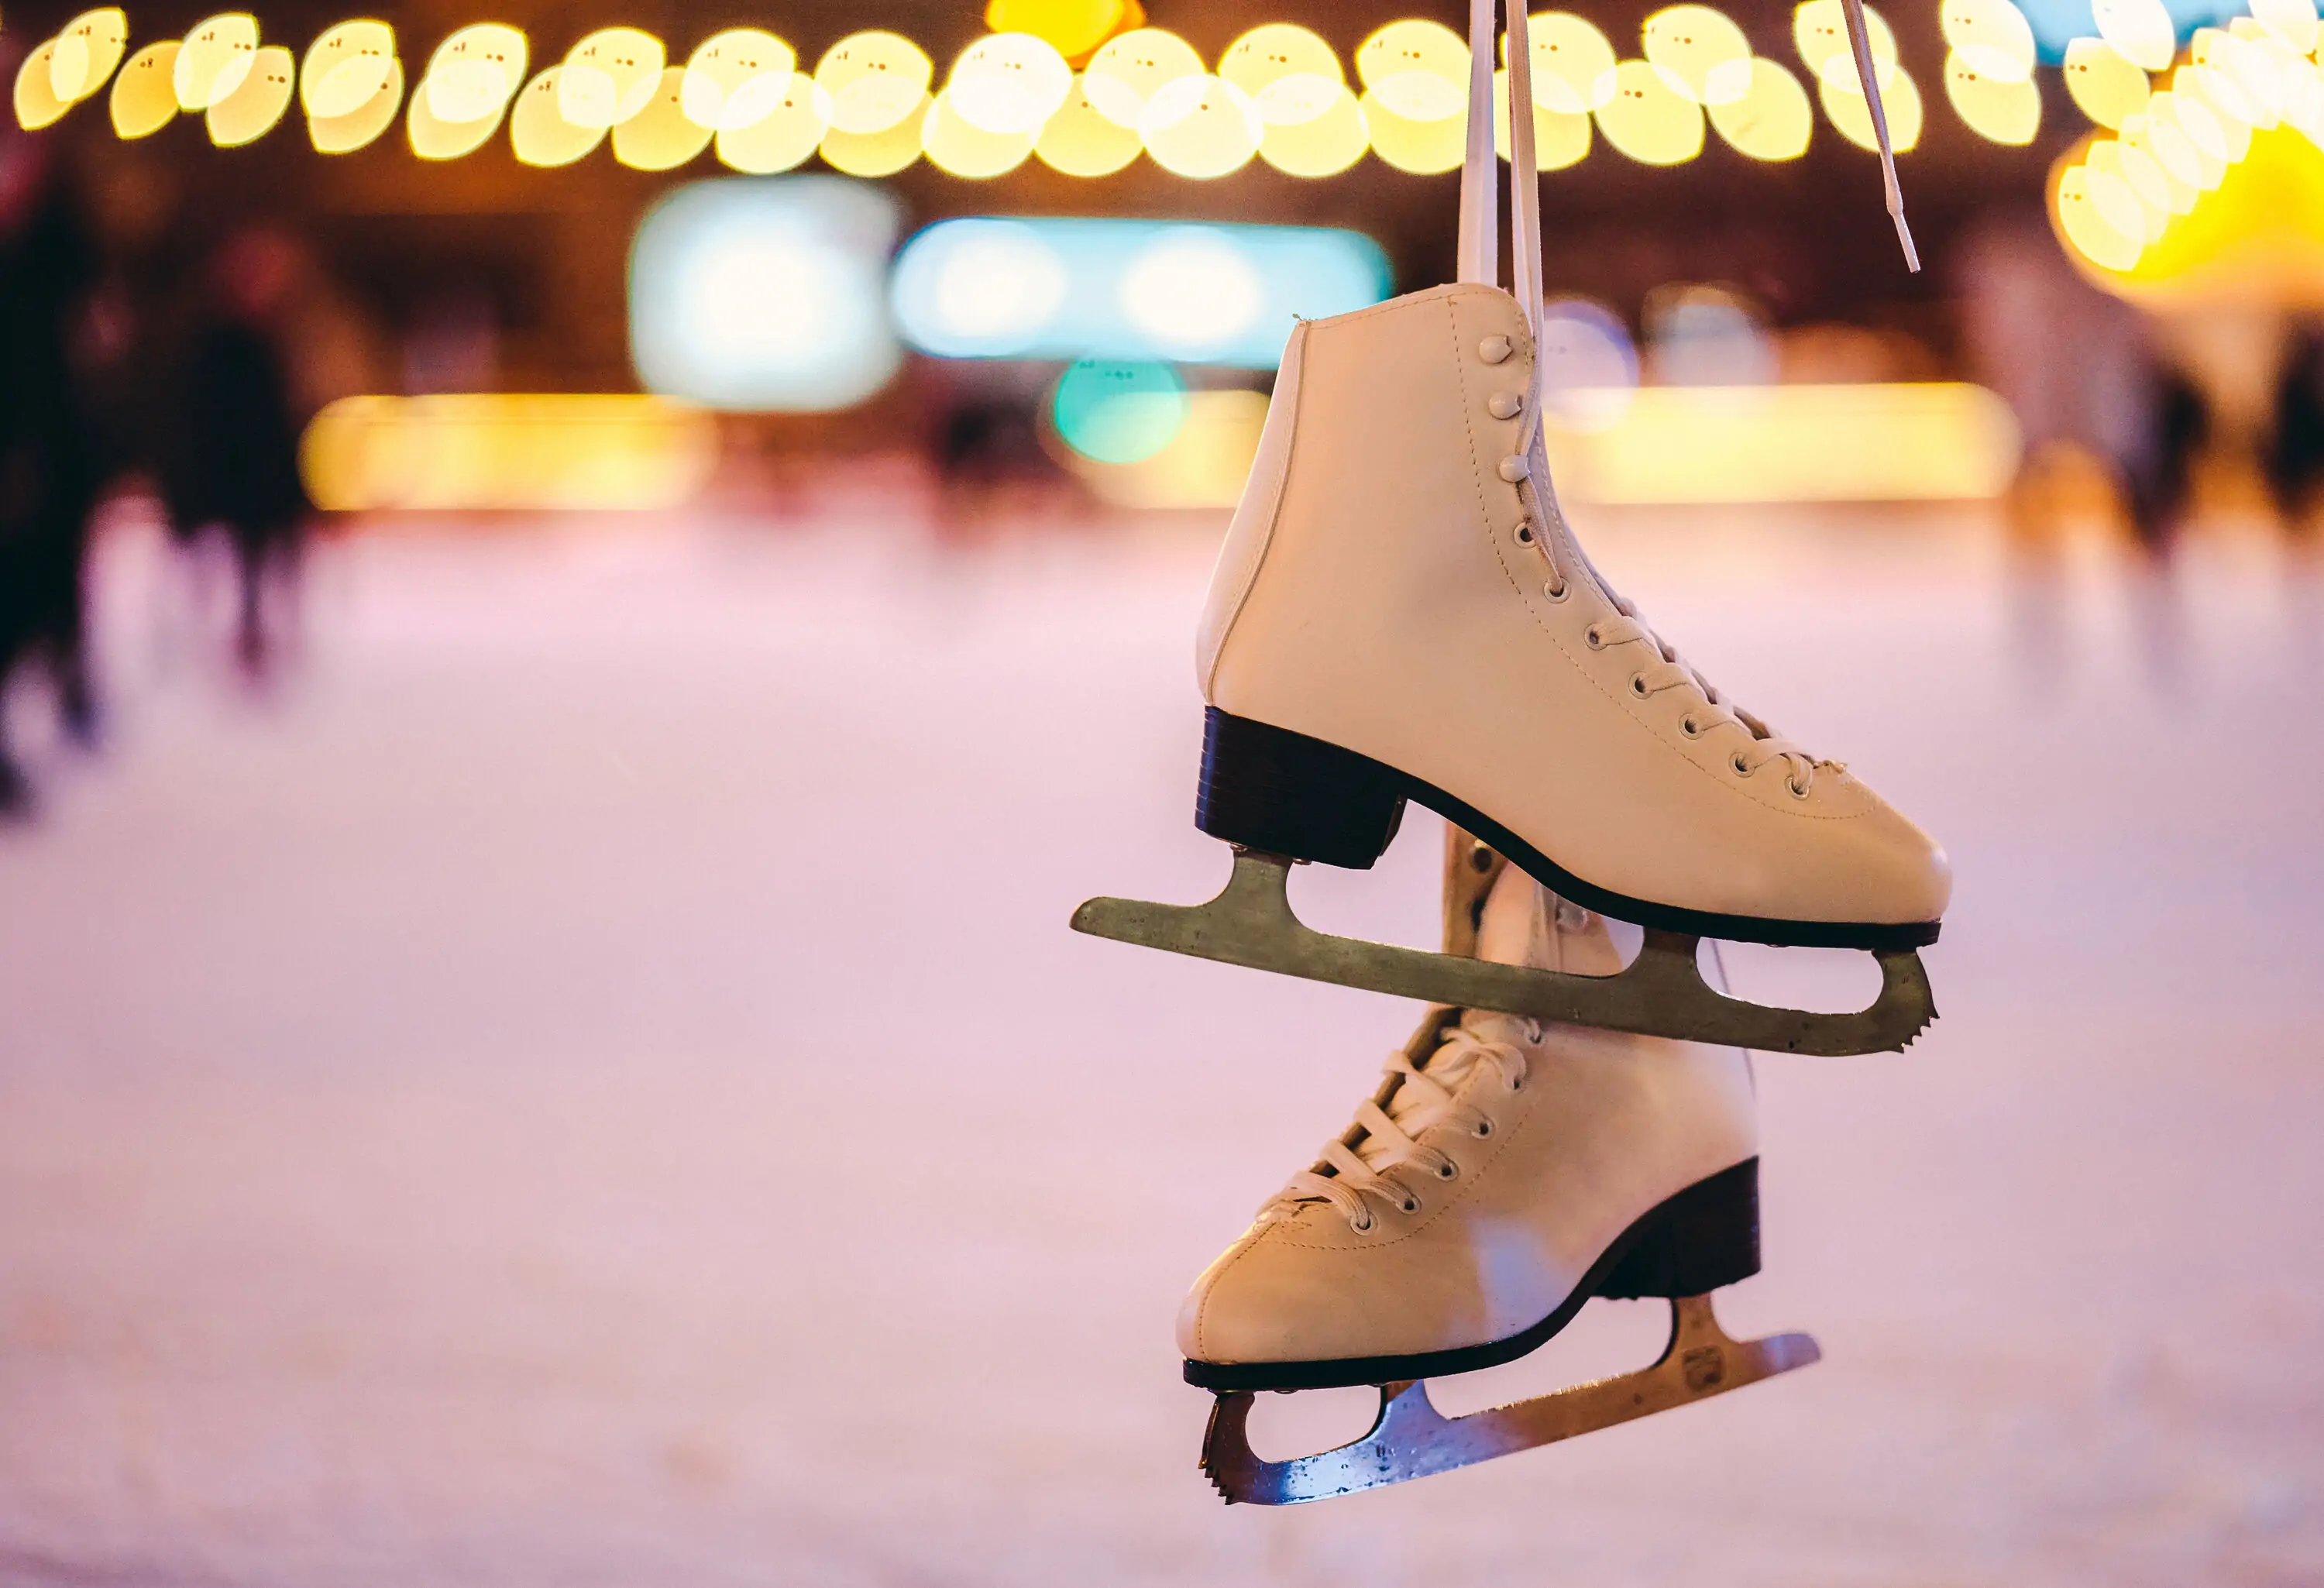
point(1503, 1175)
point(1401, 612)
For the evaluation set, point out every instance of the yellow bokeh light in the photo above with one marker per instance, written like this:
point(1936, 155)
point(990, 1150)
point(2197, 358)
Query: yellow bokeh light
point(37, 104)
point(882, 153)
point(144, 98)
point(474, 73)
point(1009, 83)
point(2103, 82)
point(2250, 68)
point(465, 451)
point(1700, 52)
point(1322, 145)
point(360, 127)
point(2228, 107)
point(1075, 27)
point(1573, 63)
point(609, 76)
point(1423, 148)
point(1560, 137)
point(874, 81)
point(1992, 37)
point(2001, 110)
point(1080, 143)
point(538, 134)
point(2172, 155)
point(783, 137)
point(257, 102)
point(2290, 22)
point(735, 77)
point(215, 56)
point(2141, 176)
point(2141, 32)
point(433, 138)
point(1771, 120)
point(962, 149)
point(1419, 69)
point(661, 136)
point(1289, 73)
point(88, 48)
point(1900, 101)
point(1201, 127)
point(1648, 120)
point(1122, 76)
point(346, 66)
point(2206, 144)
point(2099, 216)
point(1820, 34)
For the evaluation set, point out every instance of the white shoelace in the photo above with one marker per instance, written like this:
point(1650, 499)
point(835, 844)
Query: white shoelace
point(1386, 1157)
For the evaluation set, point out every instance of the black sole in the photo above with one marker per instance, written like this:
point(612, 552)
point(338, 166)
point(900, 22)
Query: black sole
point(1289, 793)
point(1705, 1237)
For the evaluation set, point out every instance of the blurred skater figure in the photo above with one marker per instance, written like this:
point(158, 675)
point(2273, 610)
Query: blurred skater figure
point(228, 448)
point(2295, 446)
point(50, 460)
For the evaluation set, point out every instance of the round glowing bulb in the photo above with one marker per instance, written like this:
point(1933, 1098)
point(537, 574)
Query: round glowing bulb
point(257, 102)
point(2099, 217)
point(1075, 27)
point(609, 77)
point(875, 80)
point(88, 48)
point(37, 104)
point(346, 67)
point(1009, 83)
point(783, 137)
point(2291, 21)
point(1289, 73)
point(474, 73)
point(2141, 176)
point(2140, 31)
point(433, 138)
point(538, 134)
point(1320, 146)
point(661, 136)
point(1700, 52)
point(1424, 148)
point(1899, 100)
point(1648, 120)
point(877, 155)
point(955, 146)
point(734, 78)
point(1123, 75)
point(1560, 137)
point(1771, 120)
point(1201, 127)
point(1573, 63)
point(1418, 70)
point(215, 58)
point(2175, 157)
point(1080, 143)
point(360, 127)
point(2103, 82)
point(144, 96)
point(2001, 110)
point(1992, 37)
point(1820, 34)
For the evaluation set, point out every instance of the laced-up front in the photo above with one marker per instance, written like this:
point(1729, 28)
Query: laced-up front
point(1383, 1157)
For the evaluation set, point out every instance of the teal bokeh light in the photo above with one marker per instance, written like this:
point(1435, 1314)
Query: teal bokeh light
point(1114, 411)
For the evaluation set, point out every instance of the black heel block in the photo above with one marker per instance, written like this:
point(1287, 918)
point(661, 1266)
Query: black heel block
point(1269, 788)
point(1706, 1236)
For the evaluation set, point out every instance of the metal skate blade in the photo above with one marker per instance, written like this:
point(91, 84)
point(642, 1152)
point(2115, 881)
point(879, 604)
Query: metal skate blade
point(1411, 1438)
point(1661, 993)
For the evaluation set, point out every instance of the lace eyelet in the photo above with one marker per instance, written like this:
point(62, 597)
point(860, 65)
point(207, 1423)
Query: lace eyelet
point(1638, 685)
point(1533, 1030)
point(1742, 767)
point(1690, 727)
point(1592, 638)
point(1366, 1227)
point(1557, 589)
point(1411, 1204)
point(1517, 1082)
point(1482, 1129)
point(1449, 1171)
point(1525, 532)
point(1799, 790)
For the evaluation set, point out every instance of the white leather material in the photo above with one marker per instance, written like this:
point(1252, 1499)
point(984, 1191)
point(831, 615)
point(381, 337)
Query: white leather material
point(1395, 613)
point(1254, 516)
point(1605, 1127)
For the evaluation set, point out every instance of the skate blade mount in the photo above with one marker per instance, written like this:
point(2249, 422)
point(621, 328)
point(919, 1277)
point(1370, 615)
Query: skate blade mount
point(1411, 1438)
point(1661, 993)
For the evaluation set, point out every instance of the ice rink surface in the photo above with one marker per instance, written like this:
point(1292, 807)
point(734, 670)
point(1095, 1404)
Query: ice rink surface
point(588, 1083)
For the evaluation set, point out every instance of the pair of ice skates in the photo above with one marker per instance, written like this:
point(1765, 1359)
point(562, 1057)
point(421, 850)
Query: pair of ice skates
point(1401, 613)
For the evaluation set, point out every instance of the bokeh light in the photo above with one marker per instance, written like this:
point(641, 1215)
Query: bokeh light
point(474, 73)
point(2291, 21)
point(783, 137)
point(1119, 412)
point(216, 54)
point(1573, 63)
point(36, 103)
point(257, 102)
point(144, 98)
point(346, 67)
point(1075, 27)
point(1560, 137)
point(1771, 120)
point(874, 81)
point(2141, 176)
point(1424, 148)
point(1820, 34)
point(2194, 85)
point(360, 127)
point(538, 134)
point(2103, 82)
point(609, 76)
point(661, 136)
point(2002, 110)
point(2140, 31)
point(1293, 76)
point(1418, 70)
point(88, 48)
point(1851, 114)
point(1080, 142)
point(1648, 120)
point(1131, 67)
point(2099, 216)
point(956, 146)
point(882, 153)
point(1322, 145)
point(1009, 83)
point(1200, 127)
point(1699, 52)
point(2172, 155)
point(1991, 37)
point(1589, 364)
point(433, 138)
point(735, 77)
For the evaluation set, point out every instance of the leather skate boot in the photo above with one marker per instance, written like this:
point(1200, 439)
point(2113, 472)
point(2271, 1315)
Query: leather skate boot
point(1401, 611)
point(1503, 1174)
